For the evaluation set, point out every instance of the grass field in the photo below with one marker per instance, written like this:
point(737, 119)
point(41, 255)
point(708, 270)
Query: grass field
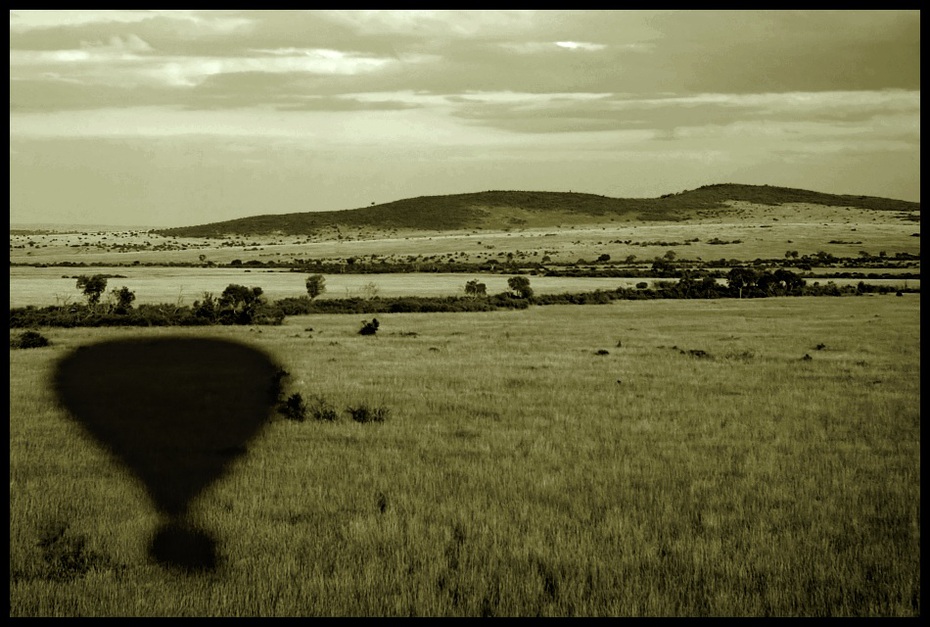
point(655, 458)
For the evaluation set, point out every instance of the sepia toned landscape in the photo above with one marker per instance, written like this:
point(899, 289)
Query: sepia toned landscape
point(638, 457)
point(703, 401)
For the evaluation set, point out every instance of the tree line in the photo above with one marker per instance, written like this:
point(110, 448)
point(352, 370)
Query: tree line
point(241, 305)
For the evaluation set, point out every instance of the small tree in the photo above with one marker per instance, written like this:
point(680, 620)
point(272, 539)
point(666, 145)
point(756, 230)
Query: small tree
point(93, 287)
point(739, 279)
point(316, 285)
point(124, 299)
point(475, 289)
point(520, 285)
point(238, 304)
point(370, 290)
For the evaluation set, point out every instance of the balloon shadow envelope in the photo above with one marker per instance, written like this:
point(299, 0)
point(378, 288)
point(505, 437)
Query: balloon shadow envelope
point(177, 412)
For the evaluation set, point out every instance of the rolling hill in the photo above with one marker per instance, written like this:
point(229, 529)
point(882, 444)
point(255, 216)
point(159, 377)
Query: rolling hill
point(501, 209)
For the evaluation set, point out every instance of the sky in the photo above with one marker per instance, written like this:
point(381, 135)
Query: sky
point(175, 118)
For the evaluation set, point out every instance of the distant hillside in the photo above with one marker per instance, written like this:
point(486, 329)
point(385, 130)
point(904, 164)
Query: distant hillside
point(495, 209)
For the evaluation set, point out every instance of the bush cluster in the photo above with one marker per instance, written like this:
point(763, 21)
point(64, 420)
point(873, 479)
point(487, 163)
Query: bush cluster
point(369, 328)
point(364, 413)
point(29, 339)
point(297, 409)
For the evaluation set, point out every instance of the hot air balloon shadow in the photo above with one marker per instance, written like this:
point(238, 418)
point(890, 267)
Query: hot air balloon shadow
point(177, 412)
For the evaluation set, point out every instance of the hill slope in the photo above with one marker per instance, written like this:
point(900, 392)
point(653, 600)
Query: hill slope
point(494, 209)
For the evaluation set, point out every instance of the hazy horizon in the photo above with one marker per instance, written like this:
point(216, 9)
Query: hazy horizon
point(175, 118)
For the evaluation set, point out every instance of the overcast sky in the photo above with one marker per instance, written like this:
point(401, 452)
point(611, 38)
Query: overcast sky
point(170, 118)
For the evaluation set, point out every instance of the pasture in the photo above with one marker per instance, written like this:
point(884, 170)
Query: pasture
point(643, 458)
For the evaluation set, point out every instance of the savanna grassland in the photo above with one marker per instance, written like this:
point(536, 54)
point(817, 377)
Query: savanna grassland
point(642, 458)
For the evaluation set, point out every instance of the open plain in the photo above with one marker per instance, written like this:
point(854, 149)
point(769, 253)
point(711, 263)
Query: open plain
point(638, 458)
point(725, 457)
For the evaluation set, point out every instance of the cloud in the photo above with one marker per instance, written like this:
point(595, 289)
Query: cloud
point(478, 97)
point(580, 45)
point(450, 52)
point(538, 113)
point(435, 24)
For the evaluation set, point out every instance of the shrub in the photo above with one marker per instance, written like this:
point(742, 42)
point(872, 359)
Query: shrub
point(124, 298)
point(29, 339)
point(294, 408)
point(369, 328)
point(320, 409)
point(65, 554)
point(295, 306)
point(363, 413)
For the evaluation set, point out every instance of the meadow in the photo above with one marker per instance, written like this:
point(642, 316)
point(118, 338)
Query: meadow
point(642, 458)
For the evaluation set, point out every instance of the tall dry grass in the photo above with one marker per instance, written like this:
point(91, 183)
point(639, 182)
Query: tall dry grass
point(674, 458)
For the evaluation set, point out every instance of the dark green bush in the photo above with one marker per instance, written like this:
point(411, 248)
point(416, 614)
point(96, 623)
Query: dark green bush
point(369, 328)
point(294, 408)
point(292, 306)
point(29, 339)
point(320, 409)
point(364, 414)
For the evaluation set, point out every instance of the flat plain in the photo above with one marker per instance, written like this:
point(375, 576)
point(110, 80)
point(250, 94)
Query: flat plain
point(731, 457)
point(632, 459)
